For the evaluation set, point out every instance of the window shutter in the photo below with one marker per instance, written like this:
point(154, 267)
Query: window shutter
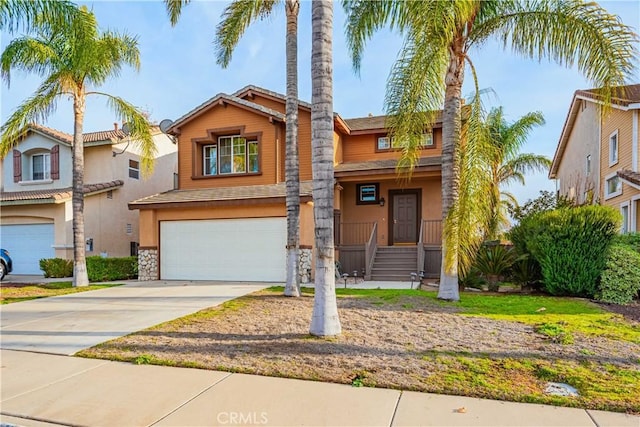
point(17, 166)
point(55, 162)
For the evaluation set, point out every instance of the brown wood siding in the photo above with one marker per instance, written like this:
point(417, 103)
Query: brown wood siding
point(227, 117)
point(359, 148)
point(279, 106)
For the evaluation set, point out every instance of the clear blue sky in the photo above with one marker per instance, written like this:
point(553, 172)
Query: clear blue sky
point(179, 71)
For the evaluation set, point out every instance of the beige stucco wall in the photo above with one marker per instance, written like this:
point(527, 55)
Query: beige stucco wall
point(572, 174)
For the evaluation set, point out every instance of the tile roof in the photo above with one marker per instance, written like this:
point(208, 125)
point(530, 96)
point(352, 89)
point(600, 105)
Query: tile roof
point(258, 89)
point(251, 192)
point(109, 136)
point(383, 164)
point(54, 133)
point(55, 195)
point(231, 99)
point(630, 176)
point(624, 95)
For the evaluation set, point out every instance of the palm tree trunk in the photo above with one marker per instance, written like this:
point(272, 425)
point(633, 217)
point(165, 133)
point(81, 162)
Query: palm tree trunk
point(451, 129)
point(325, 320)
point(80, 277)
point(292, 174)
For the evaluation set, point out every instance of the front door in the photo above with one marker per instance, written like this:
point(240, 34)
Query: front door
point(405, 217)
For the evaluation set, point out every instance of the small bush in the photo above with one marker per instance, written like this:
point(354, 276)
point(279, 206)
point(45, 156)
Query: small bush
point(620, 281)
point(629, 239)
point(571, 247)
point(106, 269)
point(494, 261)
point(56, 267)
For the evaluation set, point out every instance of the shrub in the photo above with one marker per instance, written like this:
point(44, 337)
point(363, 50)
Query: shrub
point(494, 261)
point(620, 281)
point(571, 247)
point(471, 279)
point(526, 272)
point(106, 269)
point(56, 267)
point(629, 239)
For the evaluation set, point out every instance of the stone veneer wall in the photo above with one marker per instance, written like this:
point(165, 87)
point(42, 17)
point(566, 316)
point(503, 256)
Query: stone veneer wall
point(147, 264)
point(304, 264)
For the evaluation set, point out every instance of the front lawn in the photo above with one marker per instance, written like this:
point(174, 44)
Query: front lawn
point(16, 292)
point(500, 347)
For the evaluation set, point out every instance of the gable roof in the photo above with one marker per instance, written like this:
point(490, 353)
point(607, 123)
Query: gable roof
point(628, 97)
point(249, 89)
point(384, 166)
point(624, 96)
point(58, 195)
point(223, 98)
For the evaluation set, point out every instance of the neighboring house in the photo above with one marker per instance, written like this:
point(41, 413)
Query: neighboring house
point(597, 155)
point(227, 218)
point(35, 194)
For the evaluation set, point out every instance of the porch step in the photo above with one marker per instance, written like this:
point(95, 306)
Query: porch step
point(394, 263)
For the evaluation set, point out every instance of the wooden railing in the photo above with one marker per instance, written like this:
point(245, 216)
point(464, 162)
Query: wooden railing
point(431, 232)
point(420, 265)
point(355, 233)
point(370, 251)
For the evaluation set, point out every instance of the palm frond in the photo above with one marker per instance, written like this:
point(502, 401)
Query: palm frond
point(174, 9)
point(29, 15)
point(109, 53)
point(140, 129)
point(522, 164)
point(236, 18)
point(568, 32)
point(35, 109)
point(28, 54)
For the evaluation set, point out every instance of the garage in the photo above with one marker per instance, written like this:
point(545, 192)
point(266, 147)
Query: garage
point(246, 249)
point(27, 244)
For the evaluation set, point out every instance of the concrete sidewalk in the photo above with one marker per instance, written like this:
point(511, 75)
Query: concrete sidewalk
point(39, 389)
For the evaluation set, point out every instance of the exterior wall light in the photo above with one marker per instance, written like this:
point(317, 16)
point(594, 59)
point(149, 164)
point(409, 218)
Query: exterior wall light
point(382, 201)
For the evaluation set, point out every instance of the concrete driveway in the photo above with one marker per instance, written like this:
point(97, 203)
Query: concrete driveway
point(70, 323)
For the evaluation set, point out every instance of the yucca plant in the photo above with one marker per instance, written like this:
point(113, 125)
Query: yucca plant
point(495, 261)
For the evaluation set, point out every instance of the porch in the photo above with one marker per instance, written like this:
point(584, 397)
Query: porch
point(359, 251)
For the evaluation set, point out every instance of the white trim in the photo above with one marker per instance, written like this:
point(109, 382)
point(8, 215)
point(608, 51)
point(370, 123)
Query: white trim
point(630, 184)
point(625, 228)
point(634, 214)
point(607, 195)
point(617, 151)
point(634, 141)
point(612, 105)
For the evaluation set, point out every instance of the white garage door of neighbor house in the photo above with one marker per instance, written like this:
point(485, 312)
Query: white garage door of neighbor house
point(248, 249)
point(27, 244)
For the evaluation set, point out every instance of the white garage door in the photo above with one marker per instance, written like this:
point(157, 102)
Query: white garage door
point(224, 249)
point(27, 244)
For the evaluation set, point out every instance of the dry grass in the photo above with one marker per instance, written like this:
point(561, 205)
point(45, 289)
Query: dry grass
point(405, 340)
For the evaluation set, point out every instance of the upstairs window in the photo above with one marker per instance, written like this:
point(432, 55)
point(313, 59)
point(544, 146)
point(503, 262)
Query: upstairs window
point(612, 186)
point(230, 155)
point(613, 148)
point(385, 143)
point(40, 167)
point(134, 169)
point(588, 165)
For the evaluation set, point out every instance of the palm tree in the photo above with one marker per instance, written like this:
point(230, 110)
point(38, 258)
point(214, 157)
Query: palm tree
point(429, 73)
point(31, 14)
point(72, 60)
point(237, 17)
point(325, 320)
point(507, 165)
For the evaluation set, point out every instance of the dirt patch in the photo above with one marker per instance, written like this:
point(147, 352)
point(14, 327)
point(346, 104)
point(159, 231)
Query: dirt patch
point(630, 311)
point(410, 343)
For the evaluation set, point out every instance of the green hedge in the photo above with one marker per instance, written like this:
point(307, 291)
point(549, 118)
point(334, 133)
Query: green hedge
point(571, 247)
point(105, 269)
point(56, 267)
point(99, 269)
point(620, 281)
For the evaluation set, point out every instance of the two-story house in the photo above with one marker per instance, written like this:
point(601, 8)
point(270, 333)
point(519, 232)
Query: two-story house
point(227, 218)
point(597, 155)
point(35, 195)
